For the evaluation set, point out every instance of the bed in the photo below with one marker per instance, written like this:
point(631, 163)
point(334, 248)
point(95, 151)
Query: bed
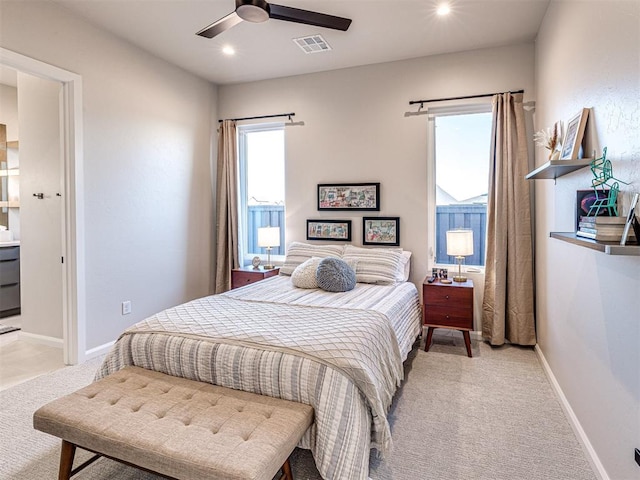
point(342, 353)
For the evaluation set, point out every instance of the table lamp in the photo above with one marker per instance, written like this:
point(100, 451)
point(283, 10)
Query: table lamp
point(459, 245)
point(268, 237)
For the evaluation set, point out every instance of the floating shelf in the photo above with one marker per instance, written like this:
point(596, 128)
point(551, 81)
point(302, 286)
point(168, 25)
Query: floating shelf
point(557, 168)
point(610, 248)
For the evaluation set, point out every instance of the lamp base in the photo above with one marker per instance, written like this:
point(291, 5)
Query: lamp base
point(269, 267)
point(459, 279)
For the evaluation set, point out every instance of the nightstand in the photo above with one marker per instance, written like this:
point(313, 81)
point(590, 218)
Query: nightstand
point(245, 275)
point(448, 306)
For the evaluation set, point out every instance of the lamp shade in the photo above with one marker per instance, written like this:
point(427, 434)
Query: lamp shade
point(269, 237)
point(459, 243)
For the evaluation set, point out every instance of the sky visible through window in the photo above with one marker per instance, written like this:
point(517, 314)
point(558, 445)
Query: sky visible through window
point(462, 154)
point(265, 172)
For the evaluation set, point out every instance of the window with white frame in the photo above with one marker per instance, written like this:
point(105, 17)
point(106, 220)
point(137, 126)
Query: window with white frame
point(458, 165)
point(261, 178)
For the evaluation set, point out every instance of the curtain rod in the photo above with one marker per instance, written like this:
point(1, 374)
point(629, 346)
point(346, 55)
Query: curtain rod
point(413, 102)
point(261, 116)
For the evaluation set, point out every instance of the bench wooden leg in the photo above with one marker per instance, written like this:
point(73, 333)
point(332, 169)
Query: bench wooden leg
point(286, 471)
point(67, 452)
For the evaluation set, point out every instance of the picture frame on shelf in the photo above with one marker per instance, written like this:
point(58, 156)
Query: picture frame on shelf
point(335, 230)
point(573, 135)
point(631, 222)
point(381, 231)
point(586, 198)
point(349, 196)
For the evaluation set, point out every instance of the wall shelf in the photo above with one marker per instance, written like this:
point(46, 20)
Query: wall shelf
point(610, 248)
point(557, 168)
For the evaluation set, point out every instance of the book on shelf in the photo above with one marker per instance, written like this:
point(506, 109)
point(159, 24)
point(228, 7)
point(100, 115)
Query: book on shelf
point(602, 220)
point(602, 237)
point(607, 229)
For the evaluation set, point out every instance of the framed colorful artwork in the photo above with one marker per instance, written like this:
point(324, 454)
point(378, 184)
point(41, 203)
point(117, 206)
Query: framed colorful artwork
point(349, 196)
point(339, 230)
point(381, 231)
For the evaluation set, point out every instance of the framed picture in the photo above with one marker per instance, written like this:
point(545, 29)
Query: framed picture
point(443, 273)
point(349, 196)
point(329, 230)
point(381, 231)
point(631, 221)
point(584, 200)
point(573, 136)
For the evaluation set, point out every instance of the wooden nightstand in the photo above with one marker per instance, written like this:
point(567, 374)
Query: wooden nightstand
point(246, 275)
point(448, 306)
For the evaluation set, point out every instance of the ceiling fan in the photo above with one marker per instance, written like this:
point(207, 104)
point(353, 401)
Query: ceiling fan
point(258, 11)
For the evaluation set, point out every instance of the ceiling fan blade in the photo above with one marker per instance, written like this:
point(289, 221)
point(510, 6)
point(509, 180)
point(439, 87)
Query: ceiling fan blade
point(219, 26)
point(290, 14)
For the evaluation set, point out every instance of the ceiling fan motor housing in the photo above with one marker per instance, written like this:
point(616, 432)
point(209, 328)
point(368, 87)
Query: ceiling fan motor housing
point(255, 11)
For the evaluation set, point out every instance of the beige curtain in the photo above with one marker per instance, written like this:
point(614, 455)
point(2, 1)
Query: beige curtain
point(226, 206)
point(508, 305)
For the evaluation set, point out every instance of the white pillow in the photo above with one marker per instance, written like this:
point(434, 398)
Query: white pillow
point(375, 265)
point(298, 253)
point(304, 275)
point(404, 269)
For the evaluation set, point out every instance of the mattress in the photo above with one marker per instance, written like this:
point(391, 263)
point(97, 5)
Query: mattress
point(342, 353)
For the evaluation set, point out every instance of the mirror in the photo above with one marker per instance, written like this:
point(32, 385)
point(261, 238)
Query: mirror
point(8, 176)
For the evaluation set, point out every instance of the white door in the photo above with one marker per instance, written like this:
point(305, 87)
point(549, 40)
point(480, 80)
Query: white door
point(41, 208)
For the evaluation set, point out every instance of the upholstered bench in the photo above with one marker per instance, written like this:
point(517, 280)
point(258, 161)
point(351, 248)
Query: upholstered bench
point(176, 427)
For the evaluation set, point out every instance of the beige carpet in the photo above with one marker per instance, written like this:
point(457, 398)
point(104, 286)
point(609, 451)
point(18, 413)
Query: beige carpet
point(490, 417)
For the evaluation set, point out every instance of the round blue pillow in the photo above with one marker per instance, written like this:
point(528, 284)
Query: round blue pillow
point(334, 275)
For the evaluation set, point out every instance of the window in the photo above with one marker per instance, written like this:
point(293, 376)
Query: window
point(460, 140)
point(261, 177)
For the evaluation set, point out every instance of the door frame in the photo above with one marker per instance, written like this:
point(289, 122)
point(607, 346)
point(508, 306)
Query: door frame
point(73, 267)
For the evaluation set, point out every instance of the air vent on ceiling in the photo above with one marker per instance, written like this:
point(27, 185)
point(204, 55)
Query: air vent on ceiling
point(312, 44)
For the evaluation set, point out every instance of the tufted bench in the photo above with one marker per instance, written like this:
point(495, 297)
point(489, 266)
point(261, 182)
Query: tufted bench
point(176, 427)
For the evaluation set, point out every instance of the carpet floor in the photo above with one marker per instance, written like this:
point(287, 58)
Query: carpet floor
point(493, 417)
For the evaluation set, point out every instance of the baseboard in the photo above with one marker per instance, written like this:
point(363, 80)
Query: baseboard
point(40, 339)
point(98, 351)
point(592, 456)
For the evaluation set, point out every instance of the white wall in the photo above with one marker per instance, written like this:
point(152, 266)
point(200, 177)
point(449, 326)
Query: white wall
point(355, 130)
point(147, 175)
point(588, 55)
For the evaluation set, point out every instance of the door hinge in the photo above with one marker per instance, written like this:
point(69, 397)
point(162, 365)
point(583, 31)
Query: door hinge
point(61, 259)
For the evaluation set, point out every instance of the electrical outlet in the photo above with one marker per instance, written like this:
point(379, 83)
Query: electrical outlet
point(638, 457)
point(126, 307)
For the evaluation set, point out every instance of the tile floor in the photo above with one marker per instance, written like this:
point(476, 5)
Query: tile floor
point(21, 361)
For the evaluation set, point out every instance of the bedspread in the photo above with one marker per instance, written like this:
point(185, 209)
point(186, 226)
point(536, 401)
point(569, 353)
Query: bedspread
point(344, 361)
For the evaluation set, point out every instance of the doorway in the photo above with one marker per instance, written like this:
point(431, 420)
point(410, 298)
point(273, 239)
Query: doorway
point(72, 247)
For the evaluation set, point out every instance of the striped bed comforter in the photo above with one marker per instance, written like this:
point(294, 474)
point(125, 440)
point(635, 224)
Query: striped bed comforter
point(342, 353)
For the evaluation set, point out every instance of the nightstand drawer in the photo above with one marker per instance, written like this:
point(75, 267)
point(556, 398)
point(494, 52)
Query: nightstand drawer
point(449, 297)
point(459, 318)
point(245, 276)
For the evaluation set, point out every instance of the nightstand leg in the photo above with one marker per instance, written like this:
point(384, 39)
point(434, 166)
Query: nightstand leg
point(427, 344)
point(467, 342)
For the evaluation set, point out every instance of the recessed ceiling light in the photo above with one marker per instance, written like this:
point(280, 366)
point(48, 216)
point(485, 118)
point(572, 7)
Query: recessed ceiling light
point(228, 50)
point(443, 9)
